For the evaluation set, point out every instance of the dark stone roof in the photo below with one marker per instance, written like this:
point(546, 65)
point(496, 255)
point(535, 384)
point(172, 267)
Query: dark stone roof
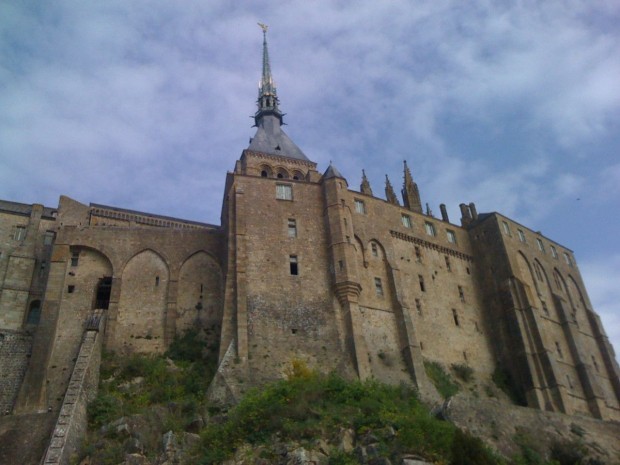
point(332, 172)
point(272, 140)
point(24, 209)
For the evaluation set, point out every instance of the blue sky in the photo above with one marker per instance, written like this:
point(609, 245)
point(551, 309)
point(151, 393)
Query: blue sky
point(145, 105)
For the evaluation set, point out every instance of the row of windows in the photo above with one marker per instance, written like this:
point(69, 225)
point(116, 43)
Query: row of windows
point(280, 173)
point(19, 234)
point(539, 243)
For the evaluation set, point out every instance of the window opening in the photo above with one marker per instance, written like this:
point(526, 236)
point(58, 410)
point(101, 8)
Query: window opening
point(293, 265)
point(374, 249)
point(340, 265)
point(421, 280)
point(418, 254)
point(75, 258)
point(421, 345)
point(378, 287)
point(447, 263)
point(468, 271)
point(595, 364)
point(284, 191)
point(554, 253)
point(70, 288)
point(455, 316)
point(48, 237)
point(360, 207)
point(406, 220)
point(292, 227)
point(559, 349)
point(567, 259)
point(461, 294)
point(104, 290)
point(451, 236)
point(280, 176)
point(544, 307)
point(537, 271)
point(263, 174)
point(418, 306)
point(156, 280)
point(506, 228)
point(540, 244)
point(20, 233)
point(569, 381)
point(430, 229)
point(465, 355)
point(521, 236)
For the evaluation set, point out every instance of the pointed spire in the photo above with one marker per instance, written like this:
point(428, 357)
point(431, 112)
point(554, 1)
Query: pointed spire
point(411, 195)
point(365, 186)
point(332, 172)
point(390, 195)
point(267, 93)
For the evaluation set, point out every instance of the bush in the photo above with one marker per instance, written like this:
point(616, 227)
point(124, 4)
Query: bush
point(464, 372)
point(470, 450)
point(441, 380)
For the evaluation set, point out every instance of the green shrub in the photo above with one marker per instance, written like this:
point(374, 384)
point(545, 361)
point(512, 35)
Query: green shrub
point(462, 371)
point(441, 380)
point(470, 450)
point(568, 452)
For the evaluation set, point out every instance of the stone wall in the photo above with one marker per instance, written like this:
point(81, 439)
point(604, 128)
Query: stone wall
point(15, 347)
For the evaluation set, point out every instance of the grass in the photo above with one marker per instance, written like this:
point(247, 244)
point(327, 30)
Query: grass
point(442, 380)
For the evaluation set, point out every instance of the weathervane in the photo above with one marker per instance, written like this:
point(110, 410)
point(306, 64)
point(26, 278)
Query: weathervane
point(264, 27)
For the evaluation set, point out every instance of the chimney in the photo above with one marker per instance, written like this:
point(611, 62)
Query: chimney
point(444, 213)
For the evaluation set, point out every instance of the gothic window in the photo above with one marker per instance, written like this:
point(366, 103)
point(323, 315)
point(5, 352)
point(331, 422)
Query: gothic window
point(378, 287)
point(430, 229)
point(293, 265)
point(263, 174)
point(284, 192)
point(292, 227)
point(544, 307)
point(554, 253)
point(540, 244)
point(521, 236)
point(298, 175)
point(360, 207)
point(559, 349)
point(506, 228)
point(451, 236)
point(537, 271)
point(567, 259)
point(406, 220)
point(595, 364)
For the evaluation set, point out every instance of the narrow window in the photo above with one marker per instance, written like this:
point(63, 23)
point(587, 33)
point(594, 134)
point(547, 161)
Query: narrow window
point(378, 287)
point(558, 284)
point(569, 381)
point(521, 236)
point(455, 316)
point(567, 259)
point(447, 263)
point(461, 294)
point(292, 227)
point(20, 233)
point(421, 345)
point(284, 191)
point(421, 280)
point(554, 253)
point(537, 271)
point(558, 349)
point(406, 220)
point(540, 244)
point(374, 249)
point(506, 228)
point(467, 270)
point(418, 254)
point(595, 364)
point(42, 267)
point(346, 223)
point(418, 306)
point(293, 265)
point(75, 258)
point(48, 238)
point(360, 207)
point(451, 236)
point(544, 307)
point(156, 280)
point(70, 288)
point(430, 228)
point(340, 265)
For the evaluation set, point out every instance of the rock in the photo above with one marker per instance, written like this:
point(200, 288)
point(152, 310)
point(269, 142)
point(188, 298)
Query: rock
point(133, 446)
point(361, 454)
point(379, 461)
point(414, 462)
point(322, 446)
point(347, 440)
point(301, 456)
point(373, 450)
point(169, 443)
point(369, 438)
point(196, 424)
point(136, 459)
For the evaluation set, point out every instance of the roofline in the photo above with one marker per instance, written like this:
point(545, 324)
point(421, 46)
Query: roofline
point(152, 215)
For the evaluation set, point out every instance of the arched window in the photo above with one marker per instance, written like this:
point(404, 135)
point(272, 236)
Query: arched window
point(34, 313)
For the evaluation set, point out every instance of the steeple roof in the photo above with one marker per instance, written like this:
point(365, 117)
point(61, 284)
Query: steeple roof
point(332, 172)
point(269, 137)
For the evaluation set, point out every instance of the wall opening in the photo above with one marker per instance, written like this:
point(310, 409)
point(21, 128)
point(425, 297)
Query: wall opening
point(102, 295)
point(34, 313)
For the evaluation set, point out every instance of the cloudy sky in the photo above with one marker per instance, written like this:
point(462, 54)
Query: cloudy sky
point(145, 105)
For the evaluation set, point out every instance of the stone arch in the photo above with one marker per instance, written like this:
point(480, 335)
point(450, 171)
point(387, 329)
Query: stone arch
point(282, 173)
point(265, 171)
point(86, 267)
point(200, 292)
point(527, 276)
point(578, 303)
point(298, 175)
point(142, 303)
point(560, 283)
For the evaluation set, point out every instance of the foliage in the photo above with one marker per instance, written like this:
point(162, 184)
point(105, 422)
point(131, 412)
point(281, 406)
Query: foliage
point(441, 380)
point(568, 452)
point(462, 371)
point(470, 450)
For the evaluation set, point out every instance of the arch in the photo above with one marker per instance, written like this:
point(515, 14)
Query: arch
point(527, 275)
point(163, 258)
point(559, 281)
point(34, 313)
point(142, 303)
point(266, 171)
point(376, 249)
point(578, 303)
point(282, 173)
point(298, 175)
point(200, 292)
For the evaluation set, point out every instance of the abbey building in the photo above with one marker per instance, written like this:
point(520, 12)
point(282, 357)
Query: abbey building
point(303, 266)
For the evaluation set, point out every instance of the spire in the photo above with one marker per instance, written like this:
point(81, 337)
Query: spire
point(365, 186)
point(332, 172)
point(390, 195)
point(411, 195)
point(267, 93)
point(269, 137)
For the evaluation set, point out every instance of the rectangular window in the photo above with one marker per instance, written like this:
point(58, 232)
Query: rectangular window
point(75, 258)
point(554, 253)
point(544, 307)
point(374, 250)
point(421, 280)
point(70, 288)
point(455, 317)
point(418, 254)
point(292, 228)
point(360, 207)
point(293, 265)
point(284, 192)
point(540, 244)
point(406, 219)
point(378, 287)
point(451, 236)
point(418, 306)
point(567, 259)
point(559, 349)
point(430, 228)
point(461, 294)
point(506, 228)
point(521, 236)
point(48, 237)
point(448, 267)
point(20, 233)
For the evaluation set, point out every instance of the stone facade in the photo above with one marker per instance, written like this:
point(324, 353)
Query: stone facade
point(304, 267)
